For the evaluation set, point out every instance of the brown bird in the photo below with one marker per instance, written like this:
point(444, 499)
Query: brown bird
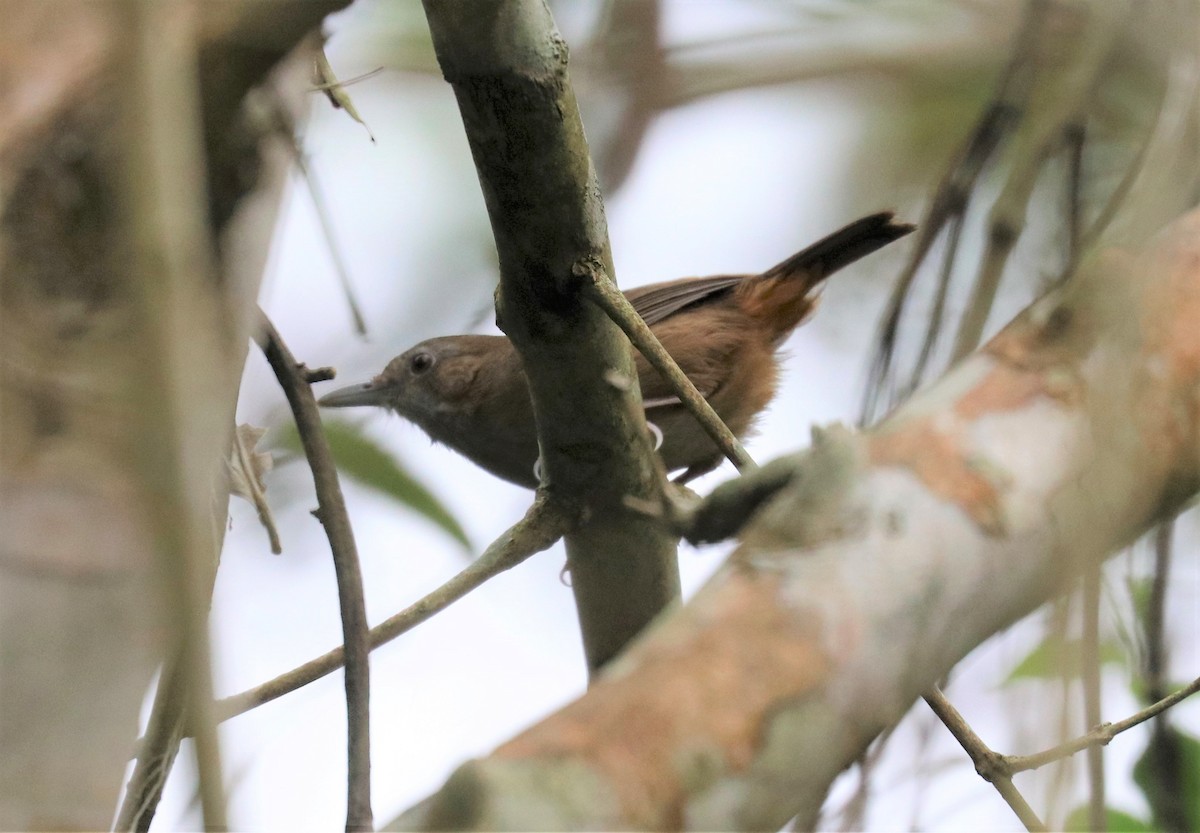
point(469, 391)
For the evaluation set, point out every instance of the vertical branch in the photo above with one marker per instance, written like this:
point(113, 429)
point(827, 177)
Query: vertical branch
point(508, 67)
point(1163, 758)
point(1155, 615)
point(173, 271)
point(331, 512)
point(1097, 815)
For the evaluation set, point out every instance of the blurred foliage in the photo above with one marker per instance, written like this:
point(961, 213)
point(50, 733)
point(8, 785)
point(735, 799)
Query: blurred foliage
point(1168, 772)
point(364, 460)
point(1054, 658)
point(1117, 821)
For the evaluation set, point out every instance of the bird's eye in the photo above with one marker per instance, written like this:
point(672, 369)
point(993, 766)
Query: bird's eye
point(420, 362)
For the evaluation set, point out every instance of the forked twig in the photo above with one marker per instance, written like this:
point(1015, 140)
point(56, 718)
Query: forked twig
point(332, 514)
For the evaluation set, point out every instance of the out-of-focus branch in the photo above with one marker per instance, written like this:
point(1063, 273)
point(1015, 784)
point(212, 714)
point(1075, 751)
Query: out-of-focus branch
point(508, 67)
point(1061, 61)
point(885, 559)
point(236, 48)
point(331, 512)
point(171, 244)
point(116, 170)
point(624, 70)
point(1165, 766)
point(695, 71)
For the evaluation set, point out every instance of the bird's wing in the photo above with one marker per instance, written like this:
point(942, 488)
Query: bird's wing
point(660, 300)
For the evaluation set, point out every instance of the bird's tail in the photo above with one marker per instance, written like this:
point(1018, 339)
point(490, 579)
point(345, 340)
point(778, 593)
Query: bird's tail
point(781, 297)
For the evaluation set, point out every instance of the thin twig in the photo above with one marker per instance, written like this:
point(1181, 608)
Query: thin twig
point(332, 513)
point(987, 763)
point(1076, 138)
point(156, 751)
point(336, 91)
point(544, 523)
point(320, 88)
point(1061, 780)
point(254, 490)
point(1097, 813)
point(335, 249)
point(275, 119)
point(938, 311)
point(1117, 198)
point(601, 291)
point(953, 194)
point(1099, 736)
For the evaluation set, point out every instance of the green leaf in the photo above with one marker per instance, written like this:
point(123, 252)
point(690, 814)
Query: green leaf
point(1118, 821)
point(1140, 590)
point(1054, 657)
point(1168, 773)
point(364, 460)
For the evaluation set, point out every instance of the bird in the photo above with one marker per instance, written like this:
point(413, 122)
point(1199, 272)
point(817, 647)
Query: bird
point(469, 392)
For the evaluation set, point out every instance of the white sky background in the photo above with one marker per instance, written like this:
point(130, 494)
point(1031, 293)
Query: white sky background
point(731, 184)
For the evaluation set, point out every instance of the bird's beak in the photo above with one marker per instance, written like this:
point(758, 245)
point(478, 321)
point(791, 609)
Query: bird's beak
point(367, 393)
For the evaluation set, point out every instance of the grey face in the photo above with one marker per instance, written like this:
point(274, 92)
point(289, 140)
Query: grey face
point(423, 384)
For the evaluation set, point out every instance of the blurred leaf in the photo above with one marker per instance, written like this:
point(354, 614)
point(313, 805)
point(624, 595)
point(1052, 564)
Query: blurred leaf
point(1117, 821)
point(1140, 590)
point(247, 468)
point(360, 457)
point(1168, 773)
point(1054, 657)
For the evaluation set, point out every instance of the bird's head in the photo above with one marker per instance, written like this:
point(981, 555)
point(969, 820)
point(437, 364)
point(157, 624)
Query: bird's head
point(430, 384)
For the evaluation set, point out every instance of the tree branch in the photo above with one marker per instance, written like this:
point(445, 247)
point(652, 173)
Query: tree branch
point(331, 512)
point(604, 293)
point(1034, 459)
point(1101, 735)
point(171, 244)
point(1092, 705)
point(986, 761)
point(508, 67)
point(544, 523)
point(237, 48)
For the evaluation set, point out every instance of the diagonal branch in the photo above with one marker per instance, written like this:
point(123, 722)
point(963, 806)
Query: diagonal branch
point(604, 293)
point(331, 512)
point(886, 558)
point(544, 523)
